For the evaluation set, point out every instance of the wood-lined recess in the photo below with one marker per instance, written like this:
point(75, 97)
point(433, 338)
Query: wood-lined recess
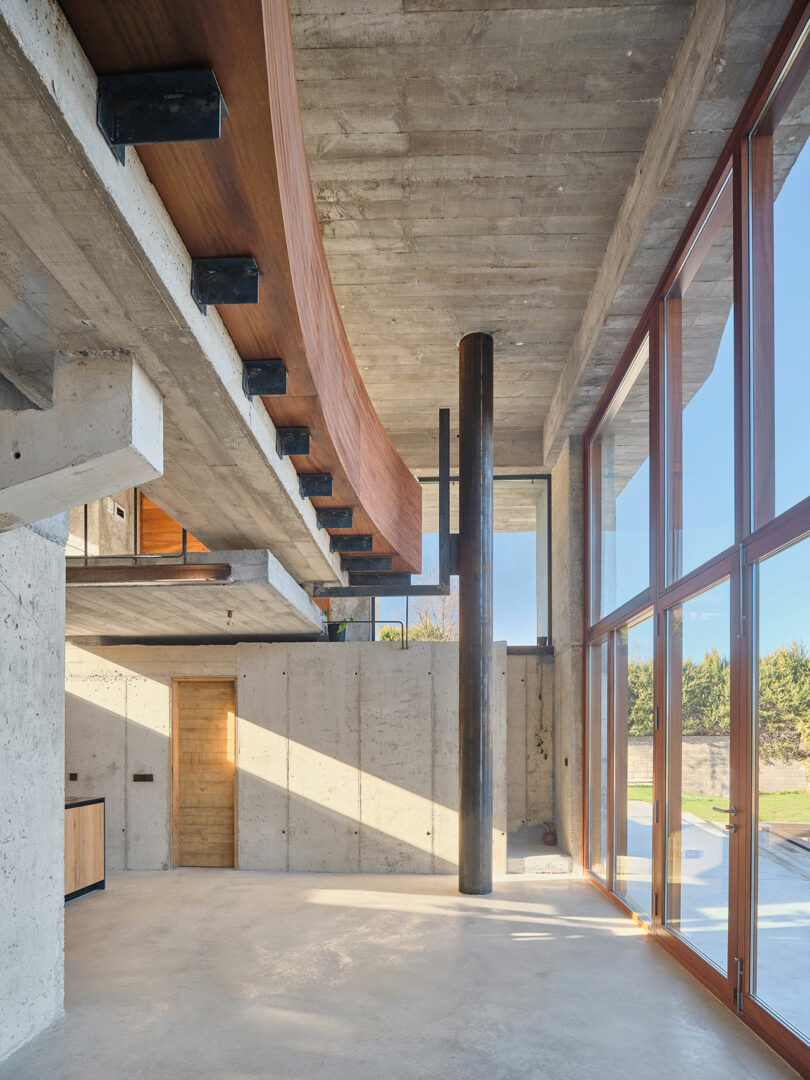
point(247, 193)
point(158, 534)
point(204, 758)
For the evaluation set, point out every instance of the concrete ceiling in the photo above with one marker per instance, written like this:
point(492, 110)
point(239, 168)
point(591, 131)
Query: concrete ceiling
point(468, 167)
point(520, 167)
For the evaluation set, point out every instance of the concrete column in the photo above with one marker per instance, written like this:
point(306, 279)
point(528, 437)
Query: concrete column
point(103, 433)
point(32, 754)
point(475, 613)
point(567, 621)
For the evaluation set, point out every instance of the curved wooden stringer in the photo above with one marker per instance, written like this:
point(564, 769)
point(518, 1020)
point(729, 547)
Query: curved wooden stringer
point(249, 193)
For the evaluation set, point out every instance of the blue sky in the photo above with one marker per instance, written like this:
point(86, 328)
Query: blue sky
point(708, 463)
point(514, 586)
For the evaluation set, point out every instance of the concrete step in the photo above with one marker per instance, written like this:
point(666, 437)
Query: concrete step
point(533, 859)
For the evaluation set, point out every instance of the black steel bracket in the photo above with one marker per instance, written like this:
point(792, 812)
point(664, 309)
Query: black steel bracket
point(158, 107)
point(268, 377)
point(292, 440)
point(364, 564)
point(335, 517)
point(315, 484)
point(233, 279)
point(396, 584)
point(377, 580)
point(357, 542)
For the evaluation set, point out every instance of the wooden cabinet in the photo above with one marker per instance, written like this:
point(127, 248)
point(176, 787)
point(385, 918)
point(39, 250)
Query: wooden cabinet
point(84, 846)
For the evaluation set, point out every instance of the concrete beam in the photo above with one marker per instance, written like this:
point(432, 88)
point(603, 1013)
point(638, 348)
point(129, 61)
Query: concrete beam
point(103, 433)
point(92, 261)
point(683, 91)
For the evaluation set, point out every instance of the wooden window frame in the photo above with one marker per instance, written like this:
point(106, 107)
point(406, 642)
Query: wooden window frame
point(787, 64)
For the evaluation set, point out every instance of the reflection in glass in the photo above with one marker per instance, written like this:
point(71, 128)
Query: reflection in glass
point(781, 971)
point(700, 398)
point(597, 762)
point(781, 371)
point(633, 764)
point(698, 738)
point(620, 493)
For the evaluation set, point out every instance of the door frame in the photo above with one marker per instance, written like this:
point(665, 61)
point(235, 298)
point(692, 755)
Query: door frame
point(175, 764)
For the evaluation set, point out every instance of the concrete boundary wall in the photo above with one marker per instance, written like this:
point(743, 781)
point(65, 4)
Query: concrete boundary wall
point(347, 754)
point(705, 766)
point(32, 835)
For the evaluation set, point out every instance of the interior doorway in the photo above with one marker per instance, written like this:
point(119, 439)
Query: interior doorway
point(203, 773)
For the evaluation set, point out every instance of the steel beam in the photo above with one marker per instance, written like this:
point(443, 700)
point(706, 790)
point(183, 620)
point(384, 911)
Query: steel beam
point(475, 614)
point(381, 589)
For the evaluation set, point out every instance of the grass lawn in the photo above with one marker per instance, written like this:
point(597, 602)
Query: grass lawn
point(778, 806)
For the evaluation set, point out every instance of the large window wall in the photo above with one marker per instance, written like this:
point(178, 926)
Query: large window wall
point(697, 680)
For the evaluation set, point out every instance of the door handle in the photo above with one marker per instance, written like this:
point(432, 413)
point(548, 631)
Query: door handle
point(720, 810)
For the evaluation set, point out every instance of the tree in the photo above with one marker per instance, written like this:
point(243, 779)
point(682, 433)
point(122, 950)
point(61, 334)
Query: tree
point(424, 630)
point(784, 702)
point(783, 699)
point(431, 618)
point(640, 697)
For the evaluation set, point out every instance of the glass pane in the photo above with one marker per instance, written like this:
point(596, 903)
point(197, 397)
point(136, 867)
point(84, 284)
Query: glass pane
point(597, 761)
point(781, 388)
point(782, 837)
point(620, 494)
point(633, 721)
point(700, 398)
point(698, 772)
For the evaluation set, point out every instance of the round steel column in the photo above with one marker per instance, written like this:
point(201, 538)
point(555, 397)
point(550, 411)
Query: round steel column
point(475, 614)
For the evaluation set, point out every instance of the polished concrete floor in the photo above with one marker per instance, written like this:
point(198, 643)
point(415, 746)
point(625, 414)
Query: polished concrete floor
point(217, 975)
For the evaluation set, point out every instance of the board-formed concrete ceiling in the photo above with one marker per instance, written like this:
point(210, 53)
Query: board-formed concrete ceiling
point(469, 161)
point(525, 167)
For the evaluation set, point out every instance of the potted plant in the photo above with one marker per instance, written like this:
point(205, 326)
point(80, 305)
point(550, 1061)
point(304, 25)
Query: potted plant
point(336, 631)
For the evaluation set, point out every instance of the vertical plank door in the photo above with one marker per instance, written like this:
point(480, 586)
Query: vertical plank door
point(204, 738)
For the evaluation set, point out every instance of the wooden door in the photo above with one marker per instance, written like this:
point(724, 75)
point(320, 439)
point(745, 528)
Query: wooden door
point(203, 762)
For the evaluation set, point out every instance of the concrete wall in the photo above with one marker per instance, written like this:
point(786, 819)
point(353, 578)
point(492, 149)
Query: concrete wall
point(107, 534)
point(529, 734)
point(706, 768)
point(32, 621)
point(346, 753)
point(567, 599)
point(353, 607)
